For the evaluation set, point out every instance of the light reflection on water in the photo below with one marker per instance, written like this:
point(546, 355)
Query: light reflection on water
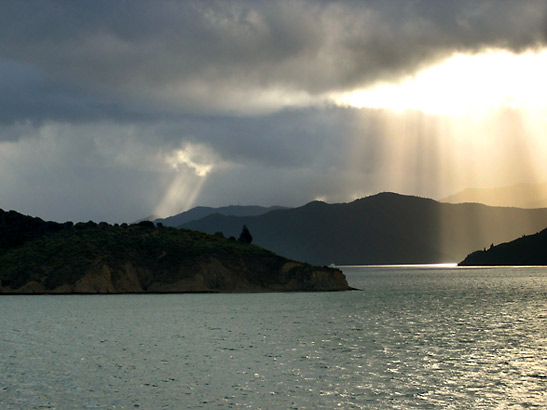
point(427, 337)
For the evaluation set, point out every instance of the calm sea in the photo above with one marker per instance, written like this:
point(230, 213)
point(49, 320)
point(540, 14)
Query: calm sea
point(414, 337)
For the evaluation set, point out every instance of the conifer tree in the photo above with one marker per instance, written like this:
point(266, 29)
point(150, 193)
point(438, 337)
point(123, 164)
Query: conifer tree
point(245, 235)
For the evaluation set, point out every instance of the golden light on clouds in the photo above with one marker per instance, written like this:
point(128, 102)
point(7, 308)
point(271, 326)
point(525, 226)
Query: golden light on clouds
point(197, 158)
point(464, 84)
point(471, 121)
point(191, 163)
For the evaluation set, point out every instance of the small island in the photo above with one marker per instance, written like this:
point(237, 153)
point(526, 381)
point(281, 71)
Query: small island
point(38, 257)
point(530, 250)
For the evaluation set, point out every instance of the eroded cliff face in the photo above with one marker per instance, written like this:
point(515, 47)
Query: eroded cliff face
point(212, 276)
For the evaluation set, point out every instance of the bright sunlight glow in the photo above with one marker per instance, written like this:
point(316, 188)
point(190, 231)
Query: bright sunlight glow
point(464, 84)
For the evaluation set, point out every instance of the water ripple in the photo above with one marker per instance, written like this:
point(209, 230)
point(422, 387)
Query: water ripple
point(414, 338)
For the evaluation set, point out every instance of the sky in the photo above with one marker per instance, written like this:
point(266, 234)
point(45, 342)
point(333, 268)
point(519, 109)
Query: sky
point(116, 110)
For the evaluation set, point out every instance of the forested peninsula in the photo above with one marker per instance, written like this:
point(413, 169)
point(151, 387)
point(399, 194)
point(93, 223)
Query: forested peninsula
point(39, 257)
point(529, 250)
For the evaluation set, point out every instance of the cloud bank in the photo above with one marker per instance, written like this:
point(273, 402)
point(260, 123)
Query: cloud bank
point(238, 56)
point(113, 110)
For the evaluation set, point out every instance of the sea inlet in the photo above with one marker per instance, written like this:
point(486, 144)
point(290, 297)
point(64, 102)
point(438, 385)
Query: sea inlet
point(432, 337)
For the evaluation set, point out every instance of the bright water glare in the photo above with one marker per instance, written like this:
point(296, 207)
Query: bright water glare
point(413, 337)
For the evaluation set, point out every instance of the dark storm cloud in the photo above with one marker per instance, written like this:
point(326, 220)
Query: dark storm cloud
point(28, 95)
point(287, 138)
point(97, 98)
point(245, 56)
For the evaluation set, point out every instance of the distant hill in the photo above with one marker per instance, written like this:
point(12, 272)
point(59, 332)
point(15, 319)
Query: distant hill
point(47, 257)
point(528, 250)
point(203, 211)
point(382, 229)
point(520, 196)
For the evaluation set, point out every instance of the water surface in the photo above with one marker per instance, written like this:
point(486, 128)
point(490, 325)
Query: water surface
point(414, 337)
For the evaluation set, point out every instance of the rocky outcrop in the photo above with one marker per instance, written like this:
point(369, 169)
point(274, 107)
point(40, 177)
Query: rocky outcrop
point(211, 277)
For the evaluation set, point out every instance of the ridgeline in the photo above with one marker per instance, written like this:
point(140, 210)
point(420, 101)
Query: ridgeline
point(203, 211)
point(386, 228)
point(38, 257)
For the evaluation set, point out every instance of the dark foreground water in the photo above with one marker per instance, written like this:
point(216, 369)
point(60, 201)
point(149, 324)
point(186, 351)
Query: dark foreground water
point(415, 337)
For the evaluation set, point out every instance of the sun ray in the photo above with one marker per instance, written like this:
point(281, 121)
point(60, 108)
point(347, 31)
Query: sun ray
point(181, 195)
point(191, 164)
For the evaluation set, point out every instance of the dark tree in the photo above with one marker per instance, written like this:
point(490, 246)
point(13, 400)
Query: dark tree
point(245, 235)
point(146, 224)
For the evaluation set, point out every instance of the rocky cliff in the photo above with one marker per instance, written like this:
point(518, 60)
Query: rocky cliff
point(142, 258)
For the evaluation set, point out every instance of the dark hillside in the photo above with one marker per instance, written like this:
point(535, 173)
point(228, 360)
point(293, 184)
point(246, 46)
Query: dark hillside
point(17, 229)
point(529, 250)
point(43, 257)
point(382, 229)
